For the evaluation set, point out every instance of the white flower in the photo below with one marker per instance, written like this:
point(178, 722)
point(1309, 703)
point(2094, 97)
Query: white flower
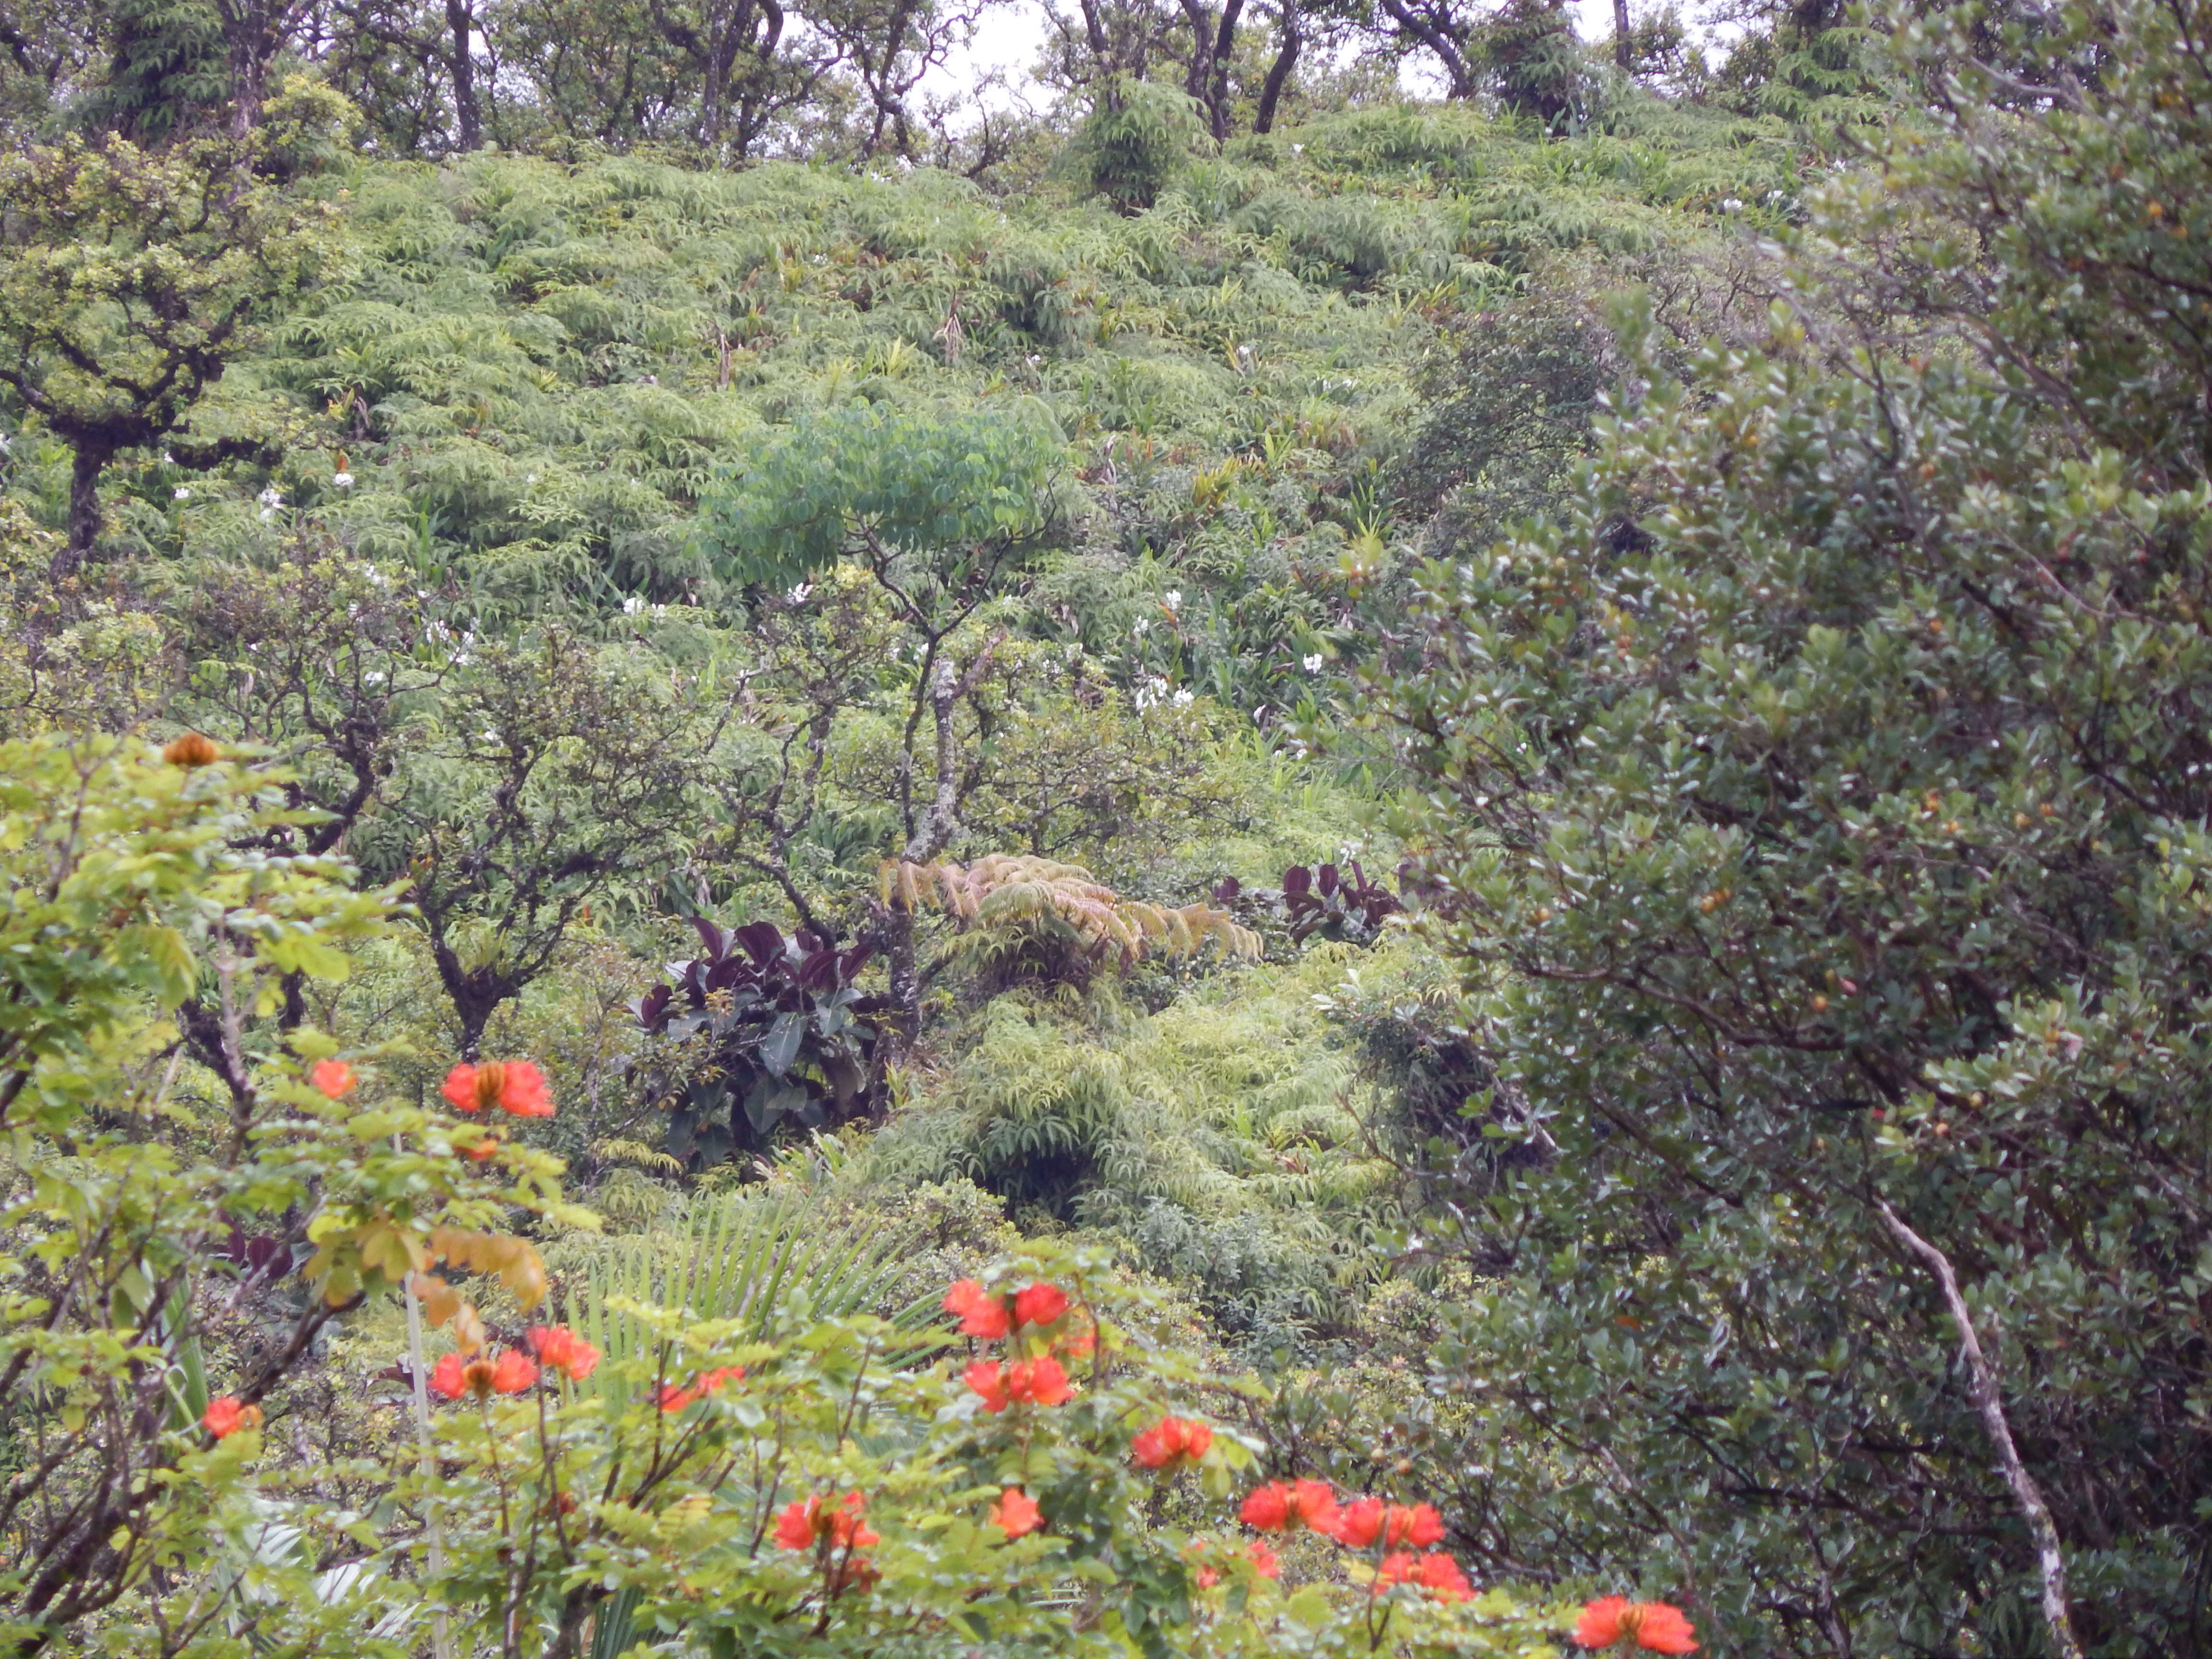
point(182, 493)
point(488, 735)
point(1731, 205)
point(1184, 698)
point(271, 497)
point(375, 676)
point(1143, 627)
point(659, 610)
point(530, 478)
point(800, 594)
point(1173, 598)
point(268, 515)
point(1313, 663)
point(342, 480)
point(375, 577)
point(632, 604)
point(1298, 150)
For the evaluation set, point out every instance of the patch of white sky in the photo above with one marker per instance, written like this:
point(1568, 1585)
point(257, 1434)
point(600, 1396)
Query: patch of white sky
point(995, 69)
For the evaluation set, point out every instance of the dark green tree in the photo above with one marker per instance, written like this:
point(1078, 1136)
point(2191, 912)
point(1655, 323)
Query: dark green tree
point(1819, 815)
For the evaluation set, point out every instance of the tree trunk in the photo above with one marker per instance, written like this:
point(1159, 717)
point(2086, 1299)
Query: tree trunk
point(468, 113)
point(1982, 1389)
point(88, 461)
point(1279, 72)
point(1201, 78)
point(898, 1039)
point(1620, 54)
point(1438, 40)
point(1224, 45)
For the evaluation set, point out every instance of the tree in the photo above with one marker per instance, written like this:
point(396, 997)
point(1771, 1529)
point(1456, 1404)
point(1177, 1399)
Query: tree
point(936, 513)
point(130, 280)
point(1818, 814)
point(550, 774)
point(140, 1214)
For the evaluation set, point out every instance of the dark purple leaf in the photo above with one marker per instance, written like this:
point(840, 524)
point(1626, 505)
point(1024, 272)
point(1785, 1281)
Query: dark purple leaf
point(716, 941)
point(762, 941)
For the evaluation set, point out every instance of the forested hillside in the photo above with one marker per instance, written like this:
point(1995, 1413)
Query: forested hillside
point(804, 862)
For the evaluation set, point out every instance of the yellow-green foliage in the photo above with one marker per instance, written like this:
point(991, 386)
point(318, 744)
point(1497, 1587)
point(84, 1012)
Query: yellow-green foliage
point(1222, 1137)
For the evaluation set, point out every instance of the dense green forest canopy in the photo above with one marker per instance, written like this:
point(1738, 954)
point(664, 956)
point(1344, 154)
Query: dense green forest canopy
point(804, 861)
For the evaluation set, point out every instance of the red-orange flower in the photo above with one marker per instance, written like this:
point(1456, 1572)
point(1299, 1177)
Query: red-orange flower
point(1358, 1523)
point(1282, 1504)
point(1170, 1439)
point(514, 1373)
point(1441, 1576)
point(980, 1313)
point(806, 1520)
point(1264, 1560)
point(1419, 1526)
point(1437, 1573)
point(448, 1377)
point(1366, 1521)
point(1039, 1382)
point(675, 1397)
point(1015, 1512)
point(560, 1349)
point(794, 1526)
point(516, 1086)
point(1653, 1626)
point(333, 1077)
point(1040, 1304)
point(988, 1380)
point(225, 1417)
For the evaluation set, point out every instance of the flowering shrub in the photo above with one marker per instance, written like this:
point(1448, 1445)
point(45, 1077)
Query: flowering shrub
point(841, 1486)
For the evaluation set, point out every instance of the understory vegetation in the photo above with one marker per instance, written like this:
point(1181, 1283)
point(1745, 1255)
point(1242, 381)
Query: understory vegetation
point(1240, 868)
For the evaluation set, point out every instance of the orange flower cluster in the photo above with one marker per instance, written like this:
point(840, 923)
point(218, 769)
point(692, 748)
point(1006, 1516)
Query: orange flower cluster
point(674, 1399)
point(991, 1317)
point(516, 1086)
point(1653, 1626)
point(1434, 1573)
point(1016, 1513)
point(513, 1372)
point(1032, 1382)
point(1286, 1506)
point(806, 1521)
point(225, 1417)
point(560, 1349)
point(333, 1077)
point(1172, 1439)
point(1366, 1522)
point(190, 750)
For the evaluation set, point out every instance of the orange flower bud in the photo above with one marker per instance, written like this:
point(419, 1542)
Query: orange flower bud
point(192, 750)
